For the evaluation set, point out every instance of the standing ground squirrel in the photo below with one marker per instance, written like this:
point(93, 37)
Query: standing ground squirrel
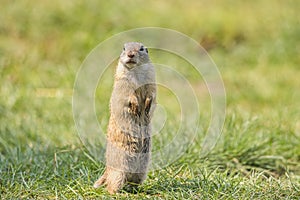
point(132, 104)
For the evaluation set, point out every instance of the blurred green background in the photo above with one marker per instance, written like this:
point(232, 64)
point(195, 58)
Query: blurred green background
point(255, 44)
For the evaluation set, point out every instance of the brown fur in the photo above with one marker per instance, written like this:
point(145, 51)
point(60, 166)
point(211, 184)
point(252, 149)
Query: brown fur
point(129, 130)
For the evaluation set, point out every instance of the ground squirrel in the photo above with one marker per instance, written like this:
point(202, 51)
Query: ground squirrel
point(132, 104)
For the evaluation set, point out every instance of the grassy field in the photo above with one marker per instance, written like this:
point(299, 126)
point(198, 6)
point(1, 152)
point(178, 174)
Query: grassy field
point(256, 46)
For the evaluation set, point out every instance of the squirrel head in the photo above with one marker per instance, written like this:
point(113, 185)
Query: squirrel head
point(134, 54)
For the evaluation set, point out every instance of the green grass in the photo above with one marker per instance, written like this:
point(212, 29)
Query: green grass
point(256, 46)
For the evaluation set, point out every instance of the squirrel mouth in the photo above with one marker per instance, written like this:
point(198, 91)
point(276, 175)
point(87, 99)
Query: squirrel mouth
point(130, 62)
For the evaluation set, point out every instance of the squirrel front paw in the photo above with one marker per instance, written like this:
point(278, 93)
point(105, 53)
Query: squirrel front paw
point(148, 103)
point(133, 105)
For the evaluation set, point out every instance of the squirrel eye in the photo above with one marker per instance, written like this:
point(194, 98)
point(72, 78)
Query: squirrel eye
point(142, 48)
point(146, 50)
point(123, 48)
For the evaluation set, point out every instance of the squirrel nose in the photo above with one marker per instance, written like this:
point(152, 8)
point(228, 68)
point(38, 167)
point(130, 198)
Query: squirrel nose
point(130, 54)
